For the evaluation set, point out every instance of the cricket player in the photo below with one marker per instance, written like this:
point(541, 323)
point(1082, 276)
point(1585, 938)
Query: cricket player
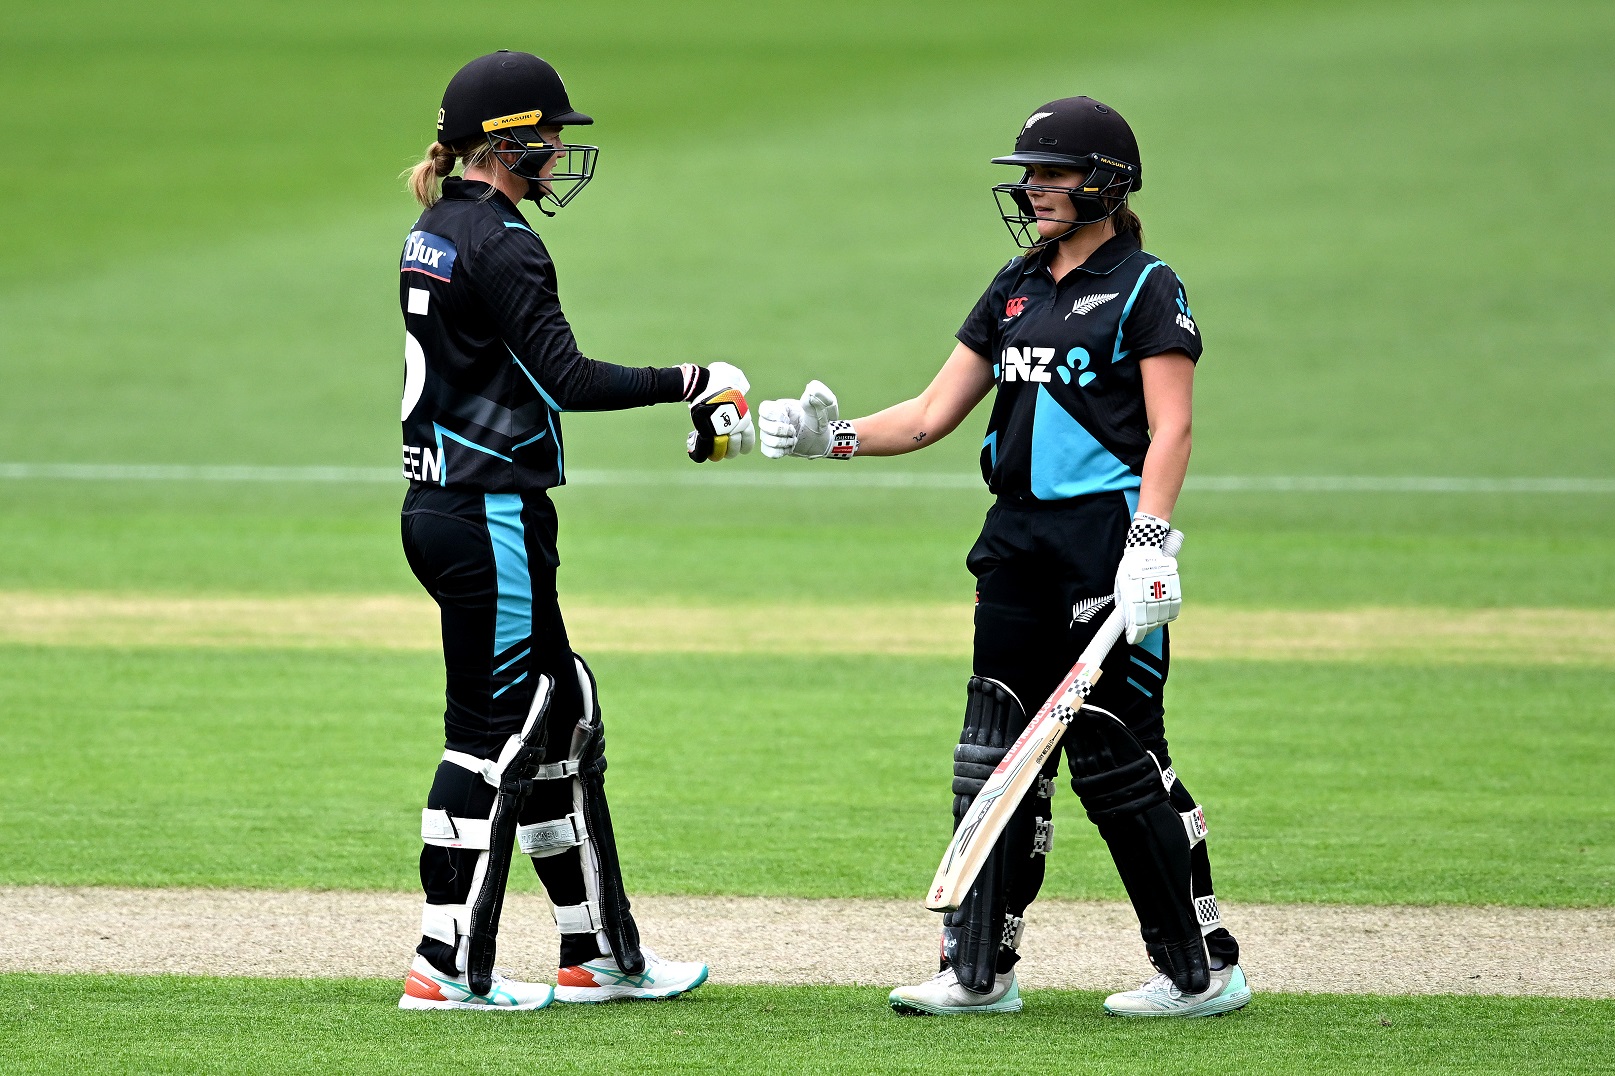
point(1091, 347)
point(489, 365)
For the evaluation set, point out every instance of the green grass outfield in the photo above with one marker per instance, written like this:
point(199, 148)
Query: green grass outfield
point(118, 1024)
point(805, 776)
point(1393, 222)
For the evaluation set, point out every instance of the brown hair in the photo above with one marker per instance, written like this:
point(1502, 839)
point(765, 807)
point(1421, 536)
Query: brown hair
point(426, 178)
point(1127, 221)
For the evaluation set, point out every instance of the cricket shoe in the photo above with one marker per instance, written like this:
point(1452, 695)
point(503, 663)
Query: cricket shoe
point(427, 988)
point(941, 995)
point(601, 979)
point(1161, 997)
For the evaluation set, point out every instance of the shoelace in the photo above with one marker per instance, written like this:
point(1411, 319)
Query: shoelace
point(1161, 983)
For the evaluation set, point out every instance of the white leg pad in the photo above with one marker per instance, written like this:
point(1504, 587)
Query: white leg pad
point(445, 831)
point(552, 838)
point(579, 918)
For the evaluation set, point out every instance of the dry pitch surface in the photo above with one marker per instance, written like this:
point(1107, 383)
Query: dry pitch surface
point(1089, 946)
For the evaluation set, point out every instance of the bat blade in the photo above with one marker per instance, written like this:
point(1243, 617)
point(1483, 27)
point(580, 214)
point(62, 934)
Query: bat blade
point(1004, 790)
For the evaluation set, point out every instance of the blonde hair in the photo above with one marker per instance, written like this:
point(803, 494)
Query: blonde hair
point(426, 178)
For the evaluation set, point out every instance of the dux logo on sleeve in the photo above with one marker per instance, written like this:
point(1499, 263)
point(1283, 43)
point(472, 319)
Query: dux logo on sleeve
point(429, 254)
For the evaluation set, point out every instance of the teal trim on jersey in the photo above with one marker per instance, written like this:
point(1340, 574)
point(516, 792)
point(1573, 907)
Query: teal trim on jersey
point(1132, 501)
point(442, 464)
point(560, 461)
point(1152, 642)
point(539, 436)
point(522, 227)
point(1152, 670)
point(990, 443)
point(451, 435)
point(1147, 692)
point(1138, 285)
point(547, 397)
point(513, 660)
point(510, 685)
point(1067, 460)
point(513, 620)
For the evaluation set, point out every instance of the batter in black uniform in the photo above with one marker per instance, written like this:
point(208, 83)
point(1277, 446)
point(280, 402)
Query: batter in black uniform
point(1091, 347)
point(490, 364)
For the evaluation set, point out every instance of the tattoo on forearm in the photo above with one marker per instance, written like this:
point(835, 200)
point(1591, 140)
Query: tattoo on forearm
point(920, 436)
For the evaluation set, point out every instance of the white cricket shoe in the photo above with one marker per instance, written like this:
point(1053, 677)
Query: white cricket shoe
point(941, 995)
point(427, 988)
point(1161, 997)
point(601, 979)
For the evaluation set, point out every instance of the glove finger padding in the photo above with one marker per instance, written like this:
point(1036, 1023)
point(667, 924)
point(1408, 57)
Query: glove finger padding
point(778, 422)
point(820, 404)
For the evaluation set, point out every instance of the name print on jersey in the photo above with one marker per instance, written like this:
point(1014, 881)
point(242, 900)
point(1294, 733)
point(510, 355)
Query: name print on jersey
point(429, 254)
point(422, 464)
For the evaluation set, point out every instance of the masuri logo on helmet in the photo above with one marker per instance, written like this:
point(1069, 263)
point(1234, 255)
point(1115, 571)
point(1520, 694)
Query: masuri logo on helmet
point(503, 97)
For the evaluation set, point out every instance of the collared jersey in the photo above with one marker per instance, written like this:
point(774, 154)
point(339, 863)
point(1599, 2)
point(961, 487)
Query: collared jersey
point(1069, 416)
point(489, 359)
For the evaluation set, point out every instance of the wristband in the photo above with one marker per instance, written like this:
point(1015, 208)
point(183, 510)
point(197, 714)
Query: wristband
point(1147, 530)
point(843, 441)
point(695, 379)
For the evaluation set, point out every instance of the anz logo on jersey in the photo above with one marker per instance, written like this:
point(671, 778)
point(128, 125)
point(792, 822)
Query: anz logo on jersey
point(1033, 364)
point(1026, 364)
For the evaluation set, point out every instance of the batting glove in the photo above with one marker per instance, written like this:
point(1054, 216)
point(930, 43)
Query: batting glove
point(718, 410)
point(809, 428)
point(1147, 589)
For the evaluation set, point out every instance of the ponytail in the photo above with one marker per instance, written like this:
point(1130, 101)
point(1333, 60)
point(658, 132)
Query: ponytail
point(1127, 222)
point(426, 178)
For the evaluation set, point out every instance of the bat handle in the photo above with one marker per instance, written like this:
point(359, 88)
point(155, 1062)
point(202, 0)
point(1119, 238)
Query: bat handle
point(1173, 543)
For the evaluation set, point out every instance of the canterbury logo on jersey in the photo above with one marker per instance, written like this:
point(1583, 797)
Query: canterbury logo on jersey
point(429, 254)
point(1090, 302)
point(1027, 363)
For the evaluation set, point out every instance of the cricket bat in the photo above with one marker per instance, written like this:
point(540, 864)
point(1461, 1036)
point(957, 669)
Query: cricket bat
point(990, 812)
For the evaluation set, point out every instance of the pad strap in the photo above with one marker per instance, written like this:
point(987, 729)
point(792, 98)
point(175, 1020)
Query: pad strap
point(552, 838)
point(443, 830)
point(1194, 824)
point(1207, 913)
point(445, 922)
point(579, 918)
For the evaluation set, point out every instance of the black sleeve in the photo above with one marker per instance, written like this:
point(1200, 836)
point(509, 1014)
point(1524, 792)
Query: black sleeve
point(513, 273)
point(1160, 319)
point(980, 330)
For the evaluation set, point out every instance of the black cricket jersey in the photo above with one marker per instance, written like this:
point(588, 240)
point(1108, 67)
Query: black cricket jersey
point(1069, 417)
point(489, 359)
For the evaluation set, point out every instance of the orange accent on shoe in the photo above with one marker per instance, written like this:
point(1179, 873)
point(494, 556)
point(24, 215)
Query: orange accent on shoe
point(417, 985)
point(574, 976)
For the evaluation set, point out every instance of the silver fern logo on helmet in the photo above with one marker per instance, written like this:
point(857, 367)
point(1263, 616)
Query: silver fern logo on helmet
point(1035, 117)
point(1090, 302)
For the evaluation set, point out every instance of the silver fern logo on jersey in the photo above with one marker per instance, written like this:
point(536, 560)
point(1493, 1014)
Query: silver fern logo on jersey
point(1090, 302)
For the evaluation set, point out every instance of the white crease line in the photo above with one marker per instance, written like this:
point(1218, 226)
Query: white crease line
point(785, 479)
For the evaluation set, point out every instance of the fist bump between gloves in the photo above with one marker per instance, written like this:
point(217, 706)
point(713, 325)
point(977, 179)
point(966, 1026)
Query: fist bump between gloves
point(719, 413)
point(809, 428)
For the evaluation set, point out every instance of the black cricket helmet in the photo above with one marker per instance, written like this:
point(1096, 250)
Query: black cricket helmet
point(505, 97)
point(1077, 133)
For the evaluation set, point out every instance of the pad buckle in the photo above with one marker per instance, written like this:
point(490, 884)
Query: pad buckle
point(543, 839)
point(579, 918)
point(1043, 837)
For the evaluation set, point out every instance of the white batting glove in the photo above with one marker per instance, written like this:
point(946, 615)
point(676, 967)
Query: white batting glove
point(722, 419)
point(1147, 589)
point(809, 428)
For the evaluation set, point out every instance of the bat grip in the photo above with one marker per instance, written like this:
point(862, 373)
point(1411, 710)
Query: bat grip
point(1173, 543)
